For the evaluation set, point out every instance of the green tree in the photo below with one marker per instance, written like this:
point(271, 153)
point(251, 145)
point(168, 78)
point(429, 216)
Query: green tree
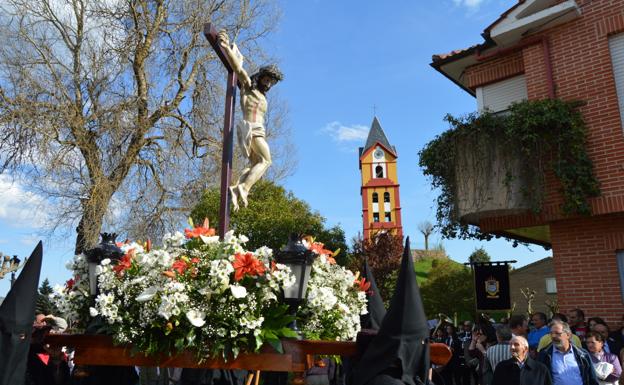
point(44, 305)
point(479, 255)
point(272, 215)
point(448, 289)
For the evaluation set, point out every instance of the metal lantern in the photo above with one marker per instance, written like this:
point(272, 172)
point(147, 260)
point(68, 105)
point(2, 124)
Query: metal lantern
point(107, 248)
point(15, 262)
point(299, 259)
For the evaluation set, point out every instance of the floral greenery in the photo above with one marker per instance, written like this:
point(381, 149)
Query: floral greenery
point(335, 299)
point(199, 293)
point(544, 134)
point(73, 299)
point(209, 296)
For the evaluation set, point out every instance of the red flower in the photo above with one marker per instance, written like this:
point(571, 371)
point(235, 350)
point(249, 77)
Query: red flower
point(204, 230)
point(247, 264)
point(70, 284)
point(180, 266)
point(124, 263)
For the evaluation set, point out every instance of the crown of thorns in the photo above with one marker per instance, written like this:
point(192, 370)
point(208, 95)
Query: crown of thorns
point(271, 70)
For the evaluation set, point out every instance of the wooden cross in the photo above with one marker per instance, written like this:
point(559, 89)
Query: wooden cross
point(228, 130)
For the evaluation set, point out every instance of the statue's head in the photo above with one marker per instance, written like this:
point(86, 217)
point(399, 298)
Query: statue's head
point(266, 77)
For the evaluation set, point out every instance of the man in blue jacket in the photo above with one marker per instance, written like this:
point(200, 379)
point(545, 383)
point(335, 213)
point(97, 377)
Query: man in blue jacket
point(568, 364)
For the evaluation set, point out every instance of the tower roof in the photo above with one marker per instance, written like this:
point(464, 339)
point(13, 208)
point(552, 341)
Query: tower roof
point(377, 135)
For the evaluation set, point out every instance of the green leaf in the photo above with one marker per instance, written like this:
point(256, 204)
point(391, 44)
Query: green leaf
point(288, 332)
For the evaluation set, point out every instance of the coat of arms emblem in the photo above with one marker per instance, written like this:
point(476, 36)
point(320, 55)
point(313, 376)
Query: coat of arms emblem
point(492, 287)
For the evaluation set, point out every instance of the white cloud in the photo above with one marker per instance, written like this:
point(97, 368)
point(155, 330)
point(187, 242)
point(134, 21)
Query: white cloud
point(29, 240)
point(18, 207)
point(343, 133)
point(469, 3)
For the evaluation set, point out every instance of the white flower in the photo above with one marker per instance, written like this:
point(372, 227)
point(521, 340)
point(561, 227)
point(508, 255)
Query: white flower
point(105, 262)
point(175, 240)
point(209, 240)
point(147, 294)
point(93, 311)
point(196, 317)
point(238, 291)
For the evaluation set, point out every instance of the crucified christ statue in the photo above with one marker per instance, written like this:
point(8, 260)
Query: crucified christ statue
point(250, 132)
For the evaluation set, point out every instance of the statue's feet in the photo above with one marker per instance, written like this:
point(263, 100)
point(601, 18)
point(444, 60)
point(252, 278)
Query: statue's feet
point(234, 197)
point(242, 193)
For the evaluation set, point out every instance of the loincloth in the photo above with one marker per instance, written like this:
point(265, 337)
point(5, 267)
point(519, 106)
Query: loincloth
point(246, 131)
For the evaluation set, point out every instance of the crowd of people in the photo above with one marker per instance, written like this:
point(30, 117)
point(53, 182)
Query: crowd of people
point(565, 350)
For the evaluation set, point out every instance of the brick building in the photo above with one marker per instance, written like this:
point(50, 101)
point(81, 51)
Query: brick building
point(568, 50)
point(538, 276)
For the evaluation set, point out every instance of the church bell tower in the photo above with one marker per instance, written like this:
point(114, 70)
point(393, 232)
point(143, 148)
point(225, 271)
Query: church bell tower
point(381, 207)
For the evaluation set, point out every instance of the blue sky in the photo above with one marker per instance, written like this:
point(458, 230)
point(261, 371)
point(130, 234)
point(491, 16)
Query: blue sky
point(342, 58)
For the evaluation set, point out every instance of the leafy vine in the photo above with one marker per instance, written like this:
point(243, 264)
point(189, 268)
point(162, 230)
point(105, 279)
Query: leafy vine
point(533, 137)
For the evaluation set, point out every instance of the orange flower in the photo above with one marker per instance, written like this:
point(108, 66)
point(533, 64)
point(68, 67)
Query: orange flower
point(148, 245)
point(319, 248)
point(363, 285)
point(247, 264)
point(124, 263)
point(169, 274)
point(204, 230)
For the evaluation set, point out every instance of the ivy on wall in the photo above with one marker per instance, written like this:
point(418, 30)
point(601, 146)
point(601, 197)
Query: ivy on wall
point(545, 135)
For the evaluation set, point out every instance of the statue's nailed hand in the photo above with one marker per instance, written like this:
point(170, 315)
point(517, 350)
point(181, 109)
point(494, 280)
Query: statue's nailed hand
point(224, 39)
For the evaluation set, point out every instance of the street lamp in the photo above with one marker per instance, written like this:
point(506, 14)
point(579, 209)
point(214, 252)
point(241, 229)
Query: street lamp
point(15, 261)
point(105, 249)
point(299, 259)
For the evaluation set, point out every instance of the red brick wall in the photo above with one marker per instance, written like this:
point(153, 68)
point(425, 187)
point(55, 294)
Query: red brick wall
point(586, 267)
point(494, 70)
point(581, 69)
point(584, 248)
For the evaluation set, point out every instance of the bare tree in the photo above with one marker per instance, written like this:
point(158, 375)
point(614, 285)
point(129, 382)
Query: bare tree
point(426, 229)
point(112, 109)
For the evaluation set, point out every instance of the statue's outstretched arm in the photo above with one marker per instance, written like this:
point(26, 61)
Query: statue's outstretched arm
point(235, 58)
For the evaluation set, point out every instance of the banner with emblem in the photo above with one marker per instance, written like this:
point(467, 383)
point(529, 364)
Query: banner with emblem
point(492, 286)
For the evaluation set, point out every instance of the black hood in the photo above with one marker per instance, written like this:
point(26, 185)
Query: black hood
point(375, 305)
point(17, 314)
point(403, 339)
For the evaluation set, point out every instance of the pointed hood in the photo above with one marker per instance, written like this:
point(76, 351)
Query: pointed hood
point(17, 314)
point(403, 339)
point(375, 305)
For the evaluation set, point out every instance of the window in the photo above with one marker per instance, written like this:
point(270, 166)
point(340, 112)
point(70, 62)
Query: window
point(375, 217)
point(388, 217)
point(620, 263)
point(379, 173)
point(387, 197)
point(551, 286)
point(616, 46)
point(497, 97)
point(375, 197)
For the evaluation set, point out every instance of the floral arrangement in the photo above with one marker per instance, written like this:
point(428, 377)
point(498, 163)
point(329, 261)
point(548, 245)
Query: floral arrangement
point(335, 298)
point(209, 295)
point(73, 299)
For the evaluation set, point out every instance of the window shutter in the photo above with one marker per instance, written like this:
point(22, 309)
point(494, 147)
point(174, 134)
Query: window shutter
point(499, 96)
point(616, 46)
